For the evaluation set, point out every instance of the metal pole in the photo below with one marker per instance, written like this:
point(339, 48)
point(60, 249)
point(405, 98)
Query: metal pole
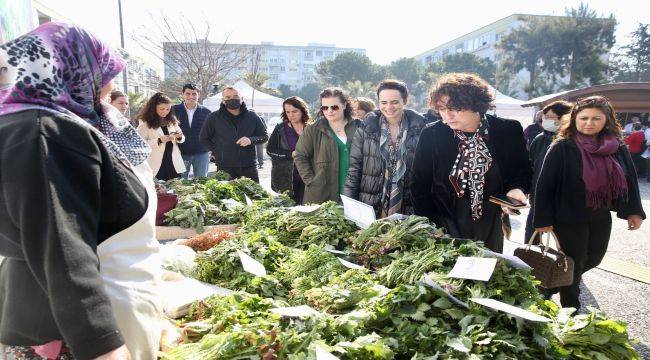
point(124, 80)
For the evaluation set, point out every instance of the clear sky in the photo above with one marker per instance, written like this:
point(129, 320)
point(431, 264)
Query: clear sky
point(386, 29)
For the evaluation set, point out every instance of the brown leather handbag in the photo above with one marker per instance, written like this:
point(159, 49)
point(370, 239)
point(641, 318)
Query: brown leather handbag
point(552, 267)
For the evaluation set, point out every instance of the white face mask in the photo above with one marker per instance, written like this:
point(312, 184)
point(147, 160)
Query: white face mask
point(550, 125)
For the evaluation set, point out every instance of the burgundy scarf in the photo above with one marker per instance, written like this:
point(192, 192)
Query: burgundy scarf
point(603, 176)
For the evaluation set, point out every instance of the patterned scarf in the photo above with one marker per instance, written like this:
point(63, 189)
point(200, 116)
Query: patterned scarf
point(471, 165)
point(392, 193)
point(61, 68)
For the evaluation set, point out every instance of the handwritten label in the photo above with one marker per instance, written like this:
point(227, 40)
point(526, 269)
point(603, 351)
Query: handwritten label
point(350, 265)
point(249, 202)
point(361, 214)
point(334, 251)
point(251, 265)
point(231, 203)
point(473, 268)
point(509, 309)
point(295, 311)
point(306, 208)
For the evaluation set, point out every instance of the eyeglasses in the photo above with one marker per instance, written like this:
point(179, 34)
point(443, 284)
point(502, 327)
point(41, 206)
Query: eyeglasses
point(333, 107)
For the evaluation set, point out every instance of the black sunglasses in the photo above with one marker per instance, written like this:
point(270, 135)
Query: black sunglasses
point(333, 107)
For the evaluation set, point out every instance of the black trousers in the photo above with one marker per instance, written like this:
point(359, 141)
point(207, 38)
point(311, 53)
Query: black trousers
point(586, 243)
point(237, 172)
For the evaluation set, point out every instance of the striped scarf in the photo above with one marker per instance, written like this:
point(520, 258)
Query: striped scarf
point(395, 160)
point(471, 165)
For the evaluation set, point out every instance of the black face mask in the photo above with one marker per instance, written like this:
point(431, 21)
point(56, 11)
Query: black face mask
point(233, 104)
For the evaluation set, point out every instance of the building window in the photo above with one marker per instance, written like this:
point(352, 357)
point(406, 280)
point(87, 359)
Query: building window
point(319, 53)
point(308, 55)
point(445, 52)
point(459, 48)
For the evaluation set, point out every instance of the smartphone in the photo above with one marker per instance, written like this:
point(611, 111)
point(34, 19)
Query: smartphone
point(508, 202)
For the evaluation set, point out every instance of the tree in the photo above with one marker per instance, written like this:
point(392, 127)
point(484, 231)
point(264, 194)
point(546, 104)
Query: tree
point(357, 88)
point(349, 66)
point(585, 42)
point(468, 63)
point(526, 48)
point(136, 103)
point(189, 56)
point(310, 93)
point(408, 70)
point(633, 63)
point(286, 91)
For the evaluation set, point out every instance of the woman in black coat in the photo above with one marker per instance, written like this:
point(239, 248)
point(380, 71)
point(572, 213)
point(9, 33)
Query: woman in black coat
point(467, 157)
point(381, 157)
point(282, 144)
point(587, 173)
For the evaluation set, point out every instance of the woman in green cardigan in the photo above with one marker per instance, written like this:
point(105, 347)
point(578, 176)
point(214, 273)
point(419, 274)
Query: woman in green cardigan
point(323, 151)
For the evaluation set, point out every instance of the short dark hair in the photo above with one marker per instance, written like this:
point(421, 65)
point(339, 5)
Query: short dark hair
point(342, 95)
point(559, 107)
point(392, 84)
point(189, 86)
point(465, 91)
point(299, 104)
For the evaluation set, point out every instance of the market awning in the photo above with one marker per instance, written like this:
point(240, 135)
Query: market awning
point(626, 97)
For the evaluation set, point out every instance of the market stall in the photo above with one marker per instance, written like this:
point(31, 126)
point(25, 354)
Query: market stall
point(322, 282)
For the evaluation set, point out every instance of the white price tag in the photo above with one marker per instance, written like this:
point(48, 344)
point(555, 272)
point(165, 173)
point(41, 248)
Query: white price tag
point(322, 354)
point(509, 309)
point(514, 261)
point(350, 265)
point(231, 203)
point(306, 208)
point(360, 213)
point(249, 202)
point(473, 268)
point(251, 265)
point(442, 292)
point(295, 311)
point(334, 251)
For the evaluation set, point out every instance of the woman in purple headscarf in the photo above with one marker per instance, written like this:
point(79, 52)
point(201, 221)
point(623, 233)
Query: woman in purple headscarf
point(77, 205)
point(587, 173)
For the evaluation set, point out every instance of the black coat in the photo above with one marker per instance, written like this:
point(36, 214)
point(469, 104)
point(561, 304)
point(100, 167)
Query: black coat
point(433, 194)
point(282, 160)
point(221, 131)
point(62, 194)
point(560, 191)
point(192, 144)
point(365, 180)
point(537, 151)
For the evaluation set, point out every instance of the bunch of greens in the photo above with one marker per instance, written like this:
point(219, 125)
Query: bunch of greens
point(323, 226)
point(192, 211)
point(344, 292)
point(221, 264)
point(589, 336)
point(374, 245)
point(245, 186)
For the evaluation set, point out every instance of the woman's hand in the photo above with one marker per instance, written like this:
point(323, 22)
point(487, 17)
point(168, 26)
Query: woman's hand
point(634, 222)
point(545, 229)
point(516, 194)
point(164, 138)
point(121, 353)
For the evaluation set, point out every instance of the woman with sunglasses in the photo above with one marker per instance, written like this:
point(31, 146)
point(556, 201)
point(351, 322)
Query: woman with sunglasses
point(323, 150)
point(587, 173)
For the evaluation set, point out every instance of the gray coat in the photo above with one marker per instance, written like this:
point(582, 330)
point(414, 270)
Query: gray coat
point(365, 179)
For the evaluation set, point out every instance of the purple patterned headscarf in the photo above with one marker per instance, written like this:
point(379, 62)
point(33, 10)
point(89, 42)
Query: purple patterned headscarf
point(61, 68)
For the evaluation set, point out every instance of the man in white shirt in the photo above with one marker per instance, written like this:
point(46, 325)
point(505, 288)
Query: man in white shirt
point(191, 116)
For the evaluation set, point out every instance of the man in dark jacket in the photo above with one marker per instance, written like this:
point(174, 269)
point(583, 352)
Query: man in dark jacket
point(192, 116)
point(534, 129)
point(231, 133)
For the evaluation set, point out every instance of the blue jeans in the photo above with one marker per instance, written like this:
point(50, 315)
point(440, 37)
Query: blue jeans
point(198, 162)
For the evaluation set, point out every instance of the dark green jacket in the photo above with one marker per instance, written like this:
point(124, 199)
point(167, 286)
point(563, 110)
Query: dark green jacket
point(317, 161)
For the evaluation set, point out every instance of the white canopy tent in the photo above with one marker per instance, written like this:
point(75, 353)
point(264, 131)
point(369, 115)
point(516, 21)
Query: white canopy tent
point(262, 103)
point(510, 108)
